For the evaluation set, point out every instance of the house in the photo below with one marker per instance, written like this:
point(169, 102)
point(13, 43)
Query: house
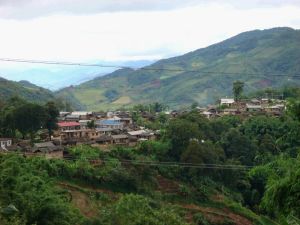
point(104, 140)
point(265, 100)
point(47, 149)
point(255, 101)
point(230, 111)
point(126, 120)
point(84, 124)
point(74, 118)
point(104, 131)
point(210, 112)
point(82, 115)
point(275, 109)
point(5, 143)
point(62, 116)
point(141, 134)
point(120, 139)
point(253, 108)
point(109, 123)
point(227, 102)
point(84, 135)
point(63, 126)
point(99, 115)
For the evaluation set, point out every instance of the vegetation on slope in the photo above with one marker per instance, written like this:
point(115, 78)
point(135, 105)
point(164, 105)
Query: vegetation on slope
point(25, 90)
point(248, 172)
point(261, 52)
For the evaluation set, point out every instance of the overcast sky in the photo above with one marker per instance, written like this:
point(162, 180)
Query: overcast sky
point(122, 31)
point(86, 30)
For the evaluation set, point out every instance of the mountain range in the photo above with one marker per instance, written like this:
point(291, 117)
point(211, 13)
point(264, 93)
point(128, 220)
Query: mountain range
point(260, 58)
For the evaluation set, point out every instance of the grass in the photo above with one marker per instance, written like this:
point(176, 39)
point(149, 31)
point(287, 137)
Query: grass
point(123, 100)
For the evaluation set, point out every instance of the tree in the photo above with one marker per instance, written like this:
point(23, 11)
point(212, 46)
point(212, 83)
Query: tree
point(194, 105)
point(7, 119)
point(237, 89)
point(180, 132)
point(157, 107)
point(238, 146)
point(52, 114)
point(293, 108)
point(281, 197)
point(91, 124)
point(202, 152)
point(29, 118)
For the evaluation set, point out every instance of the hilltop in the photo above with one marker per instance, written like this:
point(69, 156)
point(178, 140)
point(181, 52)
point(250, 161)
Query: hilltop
point(252, 57)
point(24, 89)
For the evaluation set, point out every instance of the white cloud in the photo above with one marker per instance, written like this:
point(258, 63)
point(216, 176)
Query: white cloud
point(135, 35)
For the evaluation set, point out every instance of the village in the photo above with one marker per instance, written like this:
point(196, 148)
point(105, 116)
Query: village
point(106, 129)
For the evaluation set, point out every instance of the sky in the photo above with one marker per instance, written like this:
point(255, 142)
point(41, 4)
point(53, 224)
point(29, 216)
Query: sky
point(122, 31)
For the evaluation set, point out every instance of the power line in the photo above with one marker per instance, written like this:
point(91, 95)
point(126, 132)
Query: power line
point(60, 63)
point(151, 163)
point(141, 68)
point(164, 164)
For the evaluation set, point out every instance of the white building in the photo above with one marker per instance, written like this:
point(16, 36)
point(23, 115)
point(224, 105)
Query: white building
point(4, 143)
point(227, 101)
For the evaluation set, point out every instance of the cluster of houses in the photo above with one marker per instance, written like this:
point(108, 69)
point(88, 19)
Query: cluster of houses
point(117, 128)
point(99, 128)
point(228, 106)
point(96, 129)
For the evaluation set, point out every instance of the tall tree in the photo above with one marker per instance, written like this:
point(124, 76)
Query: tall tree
point(237, 89)
point(52, 114)
point(29, 118)
point(180, 132)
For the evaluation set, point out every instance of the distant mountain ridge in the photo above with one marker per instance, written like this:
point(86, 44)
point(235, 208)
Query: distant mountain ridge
point(182, 80)
point(201, 76)
point(24, 89)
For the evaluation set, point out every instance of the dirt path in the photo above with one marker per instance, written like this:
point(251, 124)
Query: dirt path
point(83, 203)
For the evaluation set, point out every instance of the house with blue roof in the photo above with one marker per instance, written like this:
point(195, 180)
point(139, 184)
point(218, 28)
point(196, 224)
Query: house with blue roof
point(109, 123)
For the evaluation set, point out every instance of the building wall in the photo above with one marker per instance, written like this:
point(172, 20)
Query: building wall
point(6, 143)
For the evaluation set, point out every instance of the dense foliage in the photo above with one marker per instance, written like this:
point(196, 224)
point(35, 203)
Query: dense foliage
point(247, 162)
point(20, 116)
point(26, 90)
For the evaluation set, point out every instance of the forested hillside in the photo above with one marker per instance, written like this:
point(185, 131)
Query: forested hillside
point(25, 90)
point(201, 76)
point(230, 170)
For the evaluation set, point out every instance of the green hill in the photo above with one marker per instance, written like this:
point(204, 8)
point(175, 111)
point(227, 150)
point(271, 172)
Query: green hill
point(24, 89)
point(253, 57)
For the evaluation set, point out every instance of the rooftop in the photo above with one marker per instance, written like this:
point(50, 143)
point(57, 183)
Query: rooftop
point(80, 113)
point(226, 100)
point(68, 124)
point(253, 106)
point(108, 122)
point(137, 132)
point(119, 136)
